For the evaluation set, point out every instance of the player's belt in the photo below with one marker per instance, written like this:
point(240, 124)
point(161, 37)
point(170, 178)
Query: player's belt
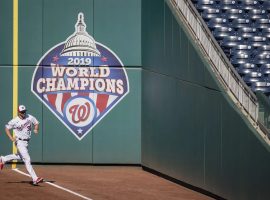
point(23, 139)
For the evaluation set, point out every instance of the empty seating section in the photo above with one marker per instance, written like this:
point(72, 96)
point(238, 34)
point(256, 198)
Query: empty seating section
point(242, 28)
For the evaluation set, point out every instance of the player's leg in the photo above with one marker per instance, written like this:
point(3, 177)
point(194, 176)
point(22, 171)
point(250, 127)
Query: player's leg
point(10, 157)
point(7, 158)
point(4, 159)
point(23, 152)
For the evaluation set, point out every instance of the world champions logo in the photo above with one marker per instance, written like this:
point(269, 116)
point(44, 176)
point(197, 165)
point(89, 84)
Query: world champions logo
point(80, 80)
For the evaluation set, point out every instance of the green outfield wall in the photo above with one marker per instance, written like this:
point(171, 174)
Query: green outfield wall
point(198, 136)
point(170, 115)
point(41, 25)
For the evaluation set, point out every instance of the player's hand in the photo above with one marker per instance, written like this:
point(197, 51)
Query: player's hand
point(35, 131)
point(13, 139)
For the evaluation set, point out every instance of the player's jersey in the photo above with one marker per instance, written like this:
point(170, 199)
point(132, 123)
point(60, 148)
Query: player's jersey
point(22, 127)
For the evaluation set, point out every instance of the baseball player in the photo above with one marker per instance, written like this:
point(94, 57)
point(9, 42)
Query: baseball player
point(22, 126)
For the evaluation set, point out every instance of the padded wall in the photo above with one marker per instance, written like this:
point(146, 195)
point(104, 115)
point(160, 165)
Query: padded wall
point(199, 136)
point(44, 23)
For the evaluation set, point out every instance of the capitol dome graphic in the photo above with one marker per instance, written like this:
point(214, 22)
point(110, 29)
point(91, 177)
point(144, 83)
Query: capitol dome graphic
point(80, 43)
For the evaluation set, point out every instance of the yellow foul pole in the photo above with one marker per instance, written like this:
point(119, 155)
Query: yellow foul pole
point(15, 67)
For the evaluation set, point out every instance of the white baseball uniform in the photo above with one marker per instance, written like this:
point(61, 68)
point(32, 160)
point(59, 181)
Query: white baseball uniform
point(22, 129)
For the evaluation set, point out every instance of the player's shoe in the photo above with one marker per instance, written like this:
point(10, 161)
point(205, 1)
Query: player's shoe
point(1, 163)
point(39, 180)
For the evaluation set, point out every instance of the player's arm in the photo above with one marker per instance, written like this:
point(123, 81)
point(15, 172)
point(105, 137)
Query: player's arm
point(35, 123)
point(8, 127)
point(36, 128)
point(9, 135)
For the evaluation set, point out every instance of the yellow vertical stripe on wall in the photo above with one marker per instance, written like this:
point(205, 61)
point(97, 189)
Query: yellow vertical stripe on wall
point(15, 67)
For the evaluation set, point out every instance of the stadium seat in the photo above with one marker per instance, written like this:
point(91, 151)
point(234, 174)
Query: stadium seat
point(204, 5)
point(247, 5)
point(263, 86)
point(265, 69)
point(261, 23)
point(265, 89)
point(244, 70)
point(265, 32)
point(264, 48)
point(221, 32)
point(241, 23)
point(253, 77)
point(226, 4)
point(256, 41)
point(231, 41)
point(264, 4)
point(217, 22)
point(255, 14)
point(204, 1)
point(210, 13)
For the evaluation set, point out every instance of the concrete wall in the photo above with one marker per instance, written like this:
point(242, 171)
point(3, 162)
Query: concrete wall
point(199, 137)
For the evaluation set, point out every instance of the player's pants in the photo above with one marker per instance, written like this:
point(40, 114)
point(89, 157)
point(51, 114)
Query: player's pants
point(22, 154)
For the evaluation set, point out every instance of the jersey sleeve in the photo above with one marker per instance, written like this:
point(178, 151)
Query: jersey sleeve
point(10, 124)
point(34, 120)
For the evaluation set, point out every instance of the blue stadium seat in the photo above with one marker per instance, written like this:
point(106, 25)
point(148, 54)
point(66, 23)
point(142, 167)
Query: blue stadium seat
point(248, 65)
point(264, 48)
point(241, 55)
point(217, 22)
point(236, 11)
point(265, 89)
point(265, 69)
point(229, 2)
point(256, 41)
point(242, 71)
point(265, 32)
point(247, 32)
point(262, 55)
point(265, 4)
point(260, 84)
point(204, 1)
point(221, 32)
point(242, 47)
point(241, 23)
point(210, 13)
point(225, 5)
point(262, 23)
point(237, 62)
point(247, 5)
point(231, 41)
point(263, 86)
point(257, 11)
point(248, 2)
point(253, 77)
point(204, 5)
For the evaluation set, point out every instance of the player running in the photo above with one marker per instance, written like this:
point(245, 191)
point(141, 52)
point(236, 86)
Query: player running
point(22, 126)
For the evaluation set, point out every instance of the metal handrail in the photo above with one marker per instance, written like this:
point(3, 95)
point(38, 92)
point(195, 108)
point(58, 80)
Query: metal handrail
point(219, 61)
